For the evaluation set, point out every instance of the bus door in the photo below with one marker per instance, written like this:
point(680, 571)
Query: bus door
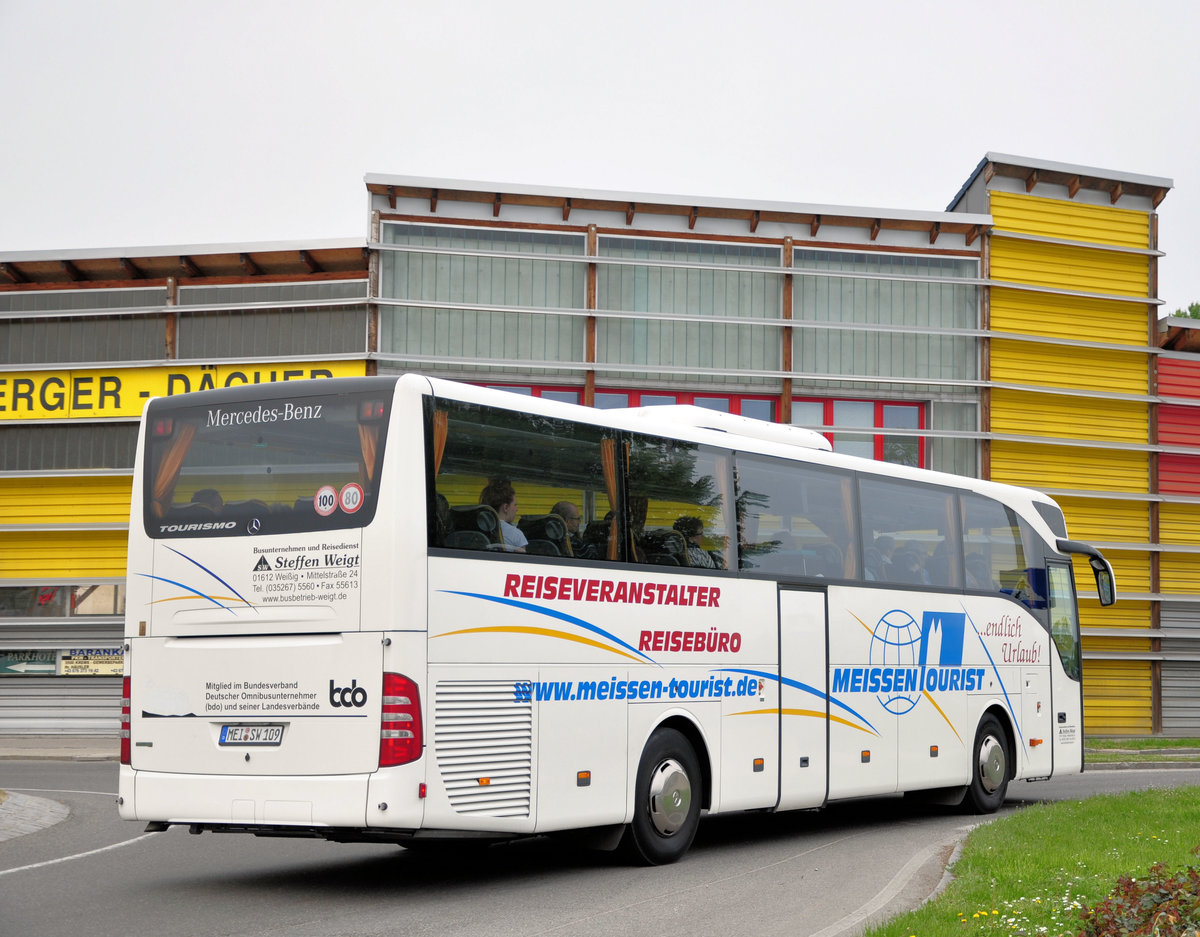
point(803, 698)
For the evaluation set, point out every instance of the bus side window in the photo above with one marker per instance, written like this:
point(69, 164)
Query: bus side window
point(550, 464)
point(995, 556)
point(795, 520)
point(678, 503)
point(910, 533)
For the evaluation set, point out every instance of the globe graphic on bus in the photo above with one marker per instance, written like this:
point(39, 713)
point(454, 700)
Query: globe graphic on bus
point(895, 643)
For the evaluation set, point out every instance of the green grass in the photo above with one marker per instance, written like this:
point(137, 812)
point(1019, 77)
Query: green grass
point(1141, 744)
point(1032, 873)
point(1133, 750)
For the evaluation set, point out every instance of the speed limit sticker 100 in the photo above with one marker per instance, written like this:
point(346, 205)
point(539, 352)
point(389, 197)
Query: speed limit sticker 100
point(325, 501)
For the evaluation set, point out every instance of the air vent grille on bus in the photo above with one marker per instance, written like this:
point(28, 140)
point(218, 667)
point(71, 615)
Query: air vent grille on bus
point(484, 743)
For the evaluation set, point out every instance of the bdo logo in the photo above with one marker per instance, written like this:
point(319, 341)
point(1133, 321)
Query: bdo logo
point(352, 695)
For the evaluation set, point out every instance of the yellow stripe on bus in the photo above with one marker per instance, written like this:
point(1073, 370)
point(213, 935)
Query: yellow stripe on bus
point(546, 632)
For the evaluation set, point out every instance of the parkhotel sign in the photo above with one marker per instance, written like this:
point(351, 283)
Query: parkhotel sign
point(106, 393)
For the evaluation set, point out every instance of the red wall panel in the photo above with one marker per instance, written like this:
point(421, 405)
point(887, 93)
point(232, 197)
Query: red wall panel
point(1179, 378)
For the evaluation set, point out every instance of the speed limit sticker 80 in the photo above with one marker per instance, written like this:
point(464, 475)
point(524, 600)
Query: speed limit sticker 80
point(351, 498)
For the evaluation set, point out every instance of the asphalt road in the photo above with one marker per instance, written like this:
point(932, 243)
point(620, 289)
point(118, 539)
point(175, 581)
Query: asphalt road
point(824, 873)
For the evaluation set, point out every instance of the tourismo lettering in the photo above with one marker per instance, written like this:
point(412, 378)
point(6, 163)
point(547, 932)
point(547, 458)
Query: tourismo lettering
point(571, 589)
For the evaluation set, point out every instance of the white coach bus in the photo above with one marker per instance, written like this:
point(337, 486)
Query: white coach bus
point(401, 609)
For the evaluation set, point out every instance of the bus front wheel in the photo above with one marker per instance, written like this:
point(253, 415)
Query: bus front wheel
point(989, 765)
point(666, 800)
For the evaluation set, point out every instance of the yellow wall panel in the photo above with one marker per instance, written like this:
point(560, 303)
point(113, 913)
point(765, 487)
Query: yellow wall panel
point(83, 499)
point(1063, 316)
point(1046, 466)
point(76, 555)
point(1117, 697)
point(1179, 572)
point(1179, 523)
point(1070, 221)
point(1125, 614)
point(1092, 519)
point(1060, 266)
point(1030, 414)
point(1120, 372)
point(1132, 570)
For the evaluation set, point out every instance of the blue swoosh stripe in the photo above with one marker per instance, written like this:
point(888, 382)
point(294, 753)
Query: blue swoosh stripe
point(214, 575)
point(551, 613)
point(804, 687)
point(195, 592)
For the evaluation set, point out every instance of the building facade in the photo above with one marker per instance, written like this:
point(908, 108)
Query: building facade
point(1013, 336)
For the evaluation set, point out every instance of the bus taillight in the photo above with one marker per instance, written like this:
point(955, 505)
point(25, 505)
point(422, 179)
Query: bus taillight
point(126, 756)
point(400, 738)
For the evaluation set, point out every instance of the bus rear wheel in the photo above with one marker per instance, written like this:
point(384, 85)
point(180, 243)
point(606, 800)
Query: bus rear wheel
point(989, 765)
point(667, 800)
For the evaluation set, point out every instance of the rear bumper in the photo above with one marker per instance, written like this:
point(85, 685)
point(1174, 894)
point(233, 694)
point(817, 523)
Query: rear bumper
point(274, 801)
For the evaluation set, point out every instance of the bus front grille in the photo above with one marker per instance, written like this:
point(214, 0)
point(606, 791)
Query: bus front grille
point(484, 741)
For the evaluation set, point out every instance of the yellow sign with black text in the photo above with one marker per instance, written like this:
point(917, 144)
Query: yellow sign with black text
point(100, 393)
point(92, 662)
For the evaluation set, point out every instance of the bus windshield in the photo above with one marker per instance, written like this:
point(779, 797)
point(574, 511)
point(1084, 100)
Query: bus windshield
point(301, 463)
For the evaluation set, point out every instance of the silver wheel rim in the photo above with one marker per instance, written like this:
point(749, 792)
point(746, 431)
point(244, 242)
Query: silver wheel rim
point(991, 764)
point(670, 797)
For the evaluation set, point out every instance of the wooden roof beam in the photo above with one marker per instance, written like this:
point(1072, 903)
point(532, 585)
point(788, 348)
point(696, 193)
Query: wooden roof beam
point(815, 226)
point(130, 269)
point(496, 205)
point(1073, 186)
point(629, 212)
point(1117, 190)
point(433, 199)
point(1158, 196)
point(1031, 180)
point(391, 194)
point(188, 267)
point(70, 270)
point(310, 263)
point(934, 230)
point(692, 216)
point(566, 208)
point(249, 265)
point(972, 233)
point(876, 225)
point(754, 220)
point(14, 274)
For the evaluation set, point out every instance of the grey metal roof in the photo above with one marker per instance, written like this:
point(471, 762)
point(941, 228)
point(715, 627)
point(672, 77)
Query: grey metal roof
point(713, 202)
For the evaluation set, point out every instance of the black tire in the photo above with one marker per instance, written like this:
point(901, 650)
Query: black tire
point(990, 768)
point(667, 799)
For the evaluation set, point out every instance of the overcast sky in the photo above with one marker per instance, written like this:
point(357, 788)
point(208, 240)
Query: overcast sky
point(160, 123)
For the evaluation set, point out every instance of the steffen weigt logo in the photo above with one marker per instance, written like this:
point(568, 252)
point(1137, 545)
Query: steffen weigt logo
point(909, 658)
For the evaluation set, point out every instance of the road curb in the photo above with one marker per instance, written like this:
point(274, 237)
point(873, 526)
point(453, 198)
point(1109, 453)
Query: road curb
point(22, 813)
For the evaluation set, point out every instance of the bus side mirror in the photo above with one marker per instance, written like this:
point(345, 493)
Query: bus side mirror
point(1105, 581)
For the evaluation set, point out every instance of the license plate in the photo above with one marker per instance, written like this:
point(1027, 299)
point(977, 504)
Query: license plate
point(251, 735)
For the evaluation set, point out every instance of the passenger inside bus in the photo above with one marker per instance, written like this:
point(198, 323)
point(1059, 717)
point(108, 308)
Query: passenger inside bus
point(692, 529)
point(502, 498)
point(571, 517)
point(210, 498)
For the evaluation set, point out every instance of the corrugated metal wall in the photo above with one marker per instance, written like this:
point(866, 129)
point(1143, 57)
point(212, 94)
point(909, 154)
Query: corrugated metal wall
point(1181, 669)
point(1179, 528)
point(61, 705)
point(1106, 256)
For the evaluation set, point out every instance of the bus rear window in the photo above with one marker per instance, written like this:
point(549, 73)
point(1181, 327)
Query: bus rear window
point(284, 465)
